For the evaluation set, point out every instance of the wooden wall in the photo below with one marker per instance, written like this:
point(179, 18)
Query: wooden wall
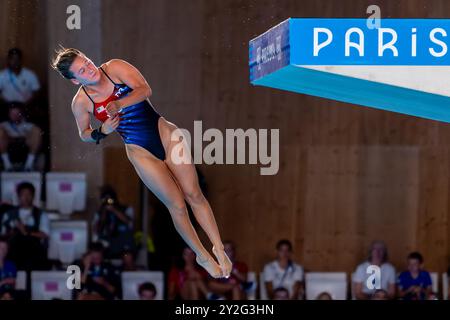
point(23, 24)
point(348, 174)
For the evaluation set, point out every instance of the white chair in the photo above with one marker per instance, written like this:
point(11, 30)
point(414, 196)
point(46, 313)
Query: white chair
point(251, 277)
point(66, 191)
point(131, 280)
point(48, 285)
point(10, 181)
point(334, 283)
point(21, 280)
point(435, 282)
point(445, 286)
point(68, 240)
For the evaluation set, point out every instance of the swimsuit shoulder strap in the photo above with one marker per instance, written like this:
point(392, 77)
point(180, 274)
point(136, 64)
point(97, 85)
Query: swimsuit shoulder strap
point(88, 94)
point(115, 84)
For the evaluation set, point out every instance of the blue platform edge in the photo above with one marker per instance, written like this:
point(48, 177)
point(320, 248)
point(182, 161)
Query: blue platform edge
point(273, 67)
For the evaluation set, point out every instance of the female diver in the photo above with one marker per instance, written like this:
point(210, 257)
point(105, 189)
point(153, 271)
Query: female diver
point(117, 94)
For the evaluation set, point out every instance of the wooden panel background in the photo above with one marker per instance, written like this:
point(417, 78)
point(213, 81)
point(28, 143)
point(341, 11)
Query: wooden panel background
point(23, 24)
point(348, 174)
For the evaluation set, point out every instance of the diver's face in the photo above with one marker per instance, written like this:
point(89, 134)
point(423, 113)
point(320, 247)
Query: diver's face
point(84, 71)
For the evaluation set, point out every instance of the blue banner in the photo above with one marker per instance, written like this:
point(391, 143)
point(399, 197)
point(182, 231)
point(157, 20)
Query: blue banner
point(312, 41)
point(270, 51)
point(279, 58)
point(352, 42)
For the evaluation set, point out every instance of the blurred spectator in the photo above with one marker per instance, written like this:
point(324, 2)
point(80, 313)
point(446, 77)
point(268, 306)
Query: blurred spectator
point(147, 291)
point(84, 295)
point(8, 271)
point(4, 207)
point(17, 83)
point(280, 294)
point(7, 295)
point(380, 295)
point(283, 272)
point(432, 296)
point(233, 287)
point(414, 284)
point(324, 296)
point(187, 280)
point(113, 224)
point(128, 261)
point(27, 228)
point(19, 136)
point(378, 256)
point(98, 276)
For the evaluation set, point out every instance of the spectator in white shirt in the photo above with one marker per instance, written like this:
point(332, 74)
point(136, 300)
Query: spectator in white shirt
point(284, 273)
point(378, 256)
point(17, 130)
point(17, 83)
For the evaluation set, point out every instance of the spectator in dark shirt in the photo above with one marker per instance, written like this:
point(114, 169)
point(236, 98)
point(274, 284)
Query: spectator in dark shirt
point(27, 228)
point(415, 283)
point(113, 224)
point(99, 276)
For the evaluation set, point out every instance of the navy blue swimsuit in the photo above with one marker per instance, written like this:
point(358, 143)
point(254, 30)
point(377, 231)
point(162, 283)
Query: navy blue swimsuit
point(138, 122)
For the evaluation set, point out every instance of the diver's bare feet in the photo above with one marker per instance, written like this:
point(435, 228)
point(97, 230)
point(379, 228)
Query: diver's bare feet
point(224, 261)
point(208, 263)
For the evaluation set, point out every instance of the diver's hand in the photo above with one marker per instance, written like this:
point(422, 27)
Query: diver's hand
point(113, 108)
point(111, 124)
